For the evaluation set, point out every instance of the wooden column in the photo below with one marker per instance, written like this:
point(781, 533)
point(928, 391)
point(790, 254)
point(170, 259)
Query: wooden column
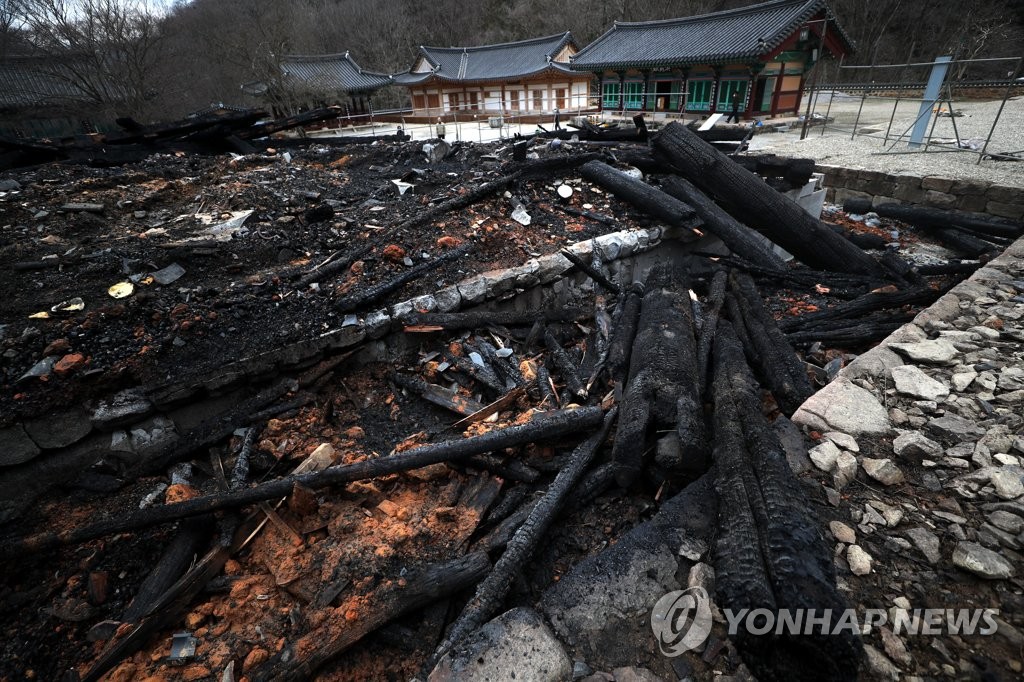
point(715, 85)
point(622, 90)
point(600, 91)
point(684, 93)
point(778, 89)
point(755, 69)
point(647, 88)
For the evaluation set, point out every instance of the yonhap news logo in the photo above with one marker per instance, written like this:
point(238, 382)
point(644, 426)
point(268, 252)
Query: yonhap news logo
point(681, 621)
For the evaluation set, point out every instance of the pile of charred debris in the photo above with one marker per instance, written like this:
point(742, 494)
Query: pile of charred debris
point(191, 490)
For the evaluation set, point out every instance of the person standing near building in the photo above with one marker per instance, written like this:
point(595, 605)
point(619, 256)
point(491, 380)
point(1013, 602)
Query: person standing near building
point(558, 119)
point(734, 117)
point(440, 129)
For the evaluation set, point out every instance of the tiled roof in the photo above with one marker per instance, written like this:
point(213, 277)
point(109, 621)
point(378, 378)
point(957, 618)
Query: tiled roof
point(331, 72)
point(29, 82)
point(747, 32)
point(491, 62)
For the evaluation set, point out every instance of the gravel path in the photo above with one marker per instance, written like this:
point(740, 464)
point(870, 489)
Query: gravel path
point(834, 146)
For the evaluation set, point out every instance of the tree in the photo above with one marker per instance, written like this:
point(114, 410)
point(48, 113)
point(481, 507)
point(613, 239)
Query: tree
point(106, 51)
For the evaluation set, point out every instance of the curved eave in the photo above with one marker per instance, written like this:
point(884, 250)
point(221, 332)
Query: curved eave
point(490, 79)
point(711, 60)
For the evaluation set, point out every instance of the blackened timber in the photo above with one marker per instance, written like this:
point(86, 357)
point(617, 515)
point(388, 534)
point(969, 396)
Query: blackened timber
point(782, 370)
point(648, 199)
point(591, 272)
point(343, 262)
point(289, 122)
point(663, 379)
point(740, 239)
point(438, 395)
point(716, 299)
point(481, 373)
point(923, 215)
point(366, 295)
point(565, 366)
point(963, 243)
point(542, 167)
point(768, 552)
point(542, 427)
point(478, 319)
point(863, 305)
point(858, 334)
point(753, 203)
point(492, 591)
point(391, 599)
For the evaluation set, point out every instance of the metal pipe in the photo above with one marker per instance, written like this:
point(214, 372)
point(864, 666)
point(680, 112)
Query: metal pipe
point(814, 77)
point(1006, 96)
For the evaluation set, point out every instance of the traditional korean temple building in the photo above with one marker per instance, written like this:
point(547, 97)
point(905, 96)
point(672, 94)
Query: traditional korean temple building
point(695, 64)
point(524, 77)
point(314, 81)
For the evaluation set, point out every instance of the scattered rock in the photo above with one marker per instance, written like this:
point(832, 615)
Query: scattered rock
point(59, 429)
point(859, 560)
point(954, 429)
point(915, 445)
point(516, 640)
point(883, 471)
point(937, 351)
point(910, 380)
point(843, 440)
point(1006, 521)
point(926, 541)
point(879, 665)
point(846, 470)
point(842, 532)
point(844, 406)
point(982, 562)
point(124, 408)
point(1007, 482)
point(15, 446)
point(824, 456)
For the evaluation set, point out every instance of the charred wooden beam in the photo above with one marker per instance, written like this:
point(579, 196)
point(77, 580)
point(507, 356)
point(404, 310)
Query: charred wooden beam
point(481, 373)
point(524, 171)
point(863, 305)
point(438, 395)
point(663, 380)
point(390, 600)
point(740, 239)
point(371, 294)
point(705, 341)
point(936, 217)
point(543, 427)
point(752, 202)
point(565, 366)
point(492, 591)
point(591, 272)
point(648, 199)
point(340, 264)
point(780, 367)
point(480, 319)
point(768, 552)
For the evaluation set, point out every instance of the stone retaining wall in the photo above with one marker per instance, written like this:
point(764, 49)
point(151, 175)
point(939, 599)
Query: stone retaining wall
point(977, 196)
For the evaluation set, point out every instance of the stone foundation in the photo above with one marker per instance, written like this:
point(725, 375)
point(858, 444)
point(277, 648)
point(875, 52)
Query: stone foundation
point(976, 196)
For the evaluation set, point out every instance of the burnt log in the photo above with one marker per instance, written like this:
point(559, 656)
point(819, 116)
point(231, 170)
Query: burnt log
point(542, 167)
point(648, 199)
point(560, 359)
point(781, 369)
point(853, 334)
point(543, 427)
point(796, 172)
point(935, 217)
point(438, 395)
point(705, 341)
point(753, 203)
point(740, 239)
point(367, 295)
point(620, 344)
point(768, 552)
point(480, 319)
point(339, 264)
point(591, 272)
point(663, 381)
point(863, 305)
point(388, 601)
point(492, 591)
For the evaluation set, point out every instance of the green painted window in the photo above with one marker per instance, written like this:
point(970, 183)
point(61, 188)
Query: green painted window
point(634, 95)
point(610, 95)
point(726, 90)
point(699, 98)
